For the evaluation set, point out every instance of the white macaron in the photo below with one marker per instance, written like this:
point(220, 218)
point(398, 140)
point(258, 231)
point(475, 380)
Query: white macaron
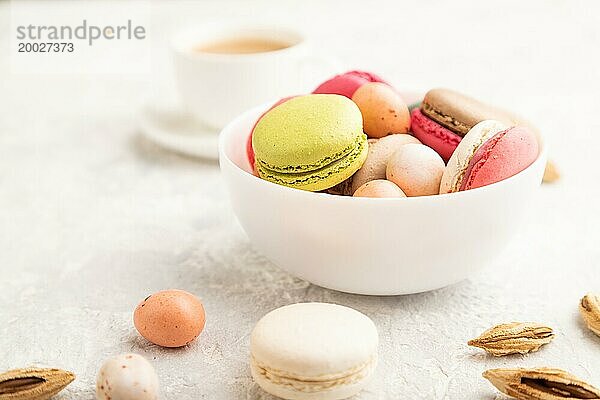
point(313, 351)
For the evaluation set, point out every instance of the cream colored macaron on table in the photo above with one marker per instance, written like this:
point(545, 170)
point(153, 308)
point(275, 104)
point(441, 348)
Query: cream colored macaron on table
point(313, 351)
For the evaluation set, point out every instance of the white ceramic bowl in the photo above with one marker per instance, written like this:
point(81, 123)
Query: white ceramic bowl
point(373, 246)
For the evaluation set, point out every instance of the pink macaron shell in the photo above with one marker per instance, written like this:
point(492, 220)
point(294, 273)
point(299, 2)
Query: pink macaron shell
point(432, 134)
point(505, 154)
point(347, 83)
point(249, 148)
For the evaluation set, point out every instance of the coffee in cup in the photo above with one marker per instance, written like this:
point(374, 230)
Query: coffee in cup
point(242, 45)
point(224, 69)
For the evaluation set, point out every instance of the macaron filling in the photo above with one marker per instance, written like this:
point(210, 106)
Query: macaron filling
point(344, 167)
point(317, 165)
point(311, 384)
point(445, 120)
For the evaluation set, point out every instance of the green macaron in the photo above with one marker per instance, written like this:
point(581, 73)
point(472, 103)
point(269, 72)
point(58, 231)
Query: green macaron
point(310, 142)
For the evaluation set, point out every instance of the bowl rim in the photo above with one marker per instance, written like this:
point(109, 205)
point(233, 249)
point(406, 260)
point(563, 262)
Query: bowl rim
point(228, 130)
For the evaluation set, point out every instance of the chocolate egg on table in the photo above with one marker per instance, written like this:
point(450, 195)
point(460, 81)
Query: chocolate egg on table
point(416, 169)
point(383, 110)
point(127, 377)
point(379, 188)
point(380, 151)
point(170, 318)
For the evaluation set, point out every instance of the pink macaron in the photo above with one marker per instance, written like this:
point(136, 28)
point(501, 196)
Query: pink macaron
point(383, 109)
point(347, 83)
point(434, 135)
point(506, 154)
point(490, 152)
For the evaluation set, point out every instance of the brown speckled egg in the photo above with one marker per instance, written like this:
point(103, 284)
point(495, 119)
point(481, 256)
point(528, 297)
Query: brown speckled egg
point(383, 110)
point(379, 188)
point(170, 318)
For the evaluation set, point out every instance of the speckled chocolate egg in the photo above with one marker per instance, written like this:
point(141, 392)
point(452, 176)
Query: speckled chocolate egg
point(416, 169)
point(127, 377)
point(379, 188)
point(380, 151)
point(383, 110)
point(170, 318)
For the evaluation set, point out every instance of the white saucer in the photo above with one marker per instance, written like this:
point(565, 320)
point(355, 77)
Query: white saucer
point(166, 124)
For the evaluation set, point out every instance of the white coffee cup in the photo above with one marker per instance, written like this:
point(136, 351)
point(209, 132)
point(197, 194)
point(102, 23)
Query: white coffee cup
point(216, 87)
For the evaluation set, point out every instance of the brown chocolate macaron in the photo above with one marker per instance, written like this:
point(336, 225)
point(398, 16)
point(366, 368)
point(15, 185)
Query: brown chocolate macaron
point(459, 112)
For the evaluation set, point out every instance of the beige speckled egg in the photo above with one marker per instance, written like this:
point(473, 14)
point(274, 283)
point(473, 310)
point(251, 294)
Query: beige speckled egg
point(379, 188)
point(416, 169)
point(383, 110)
point(170, 318)
point(380, 151)
point(127, 377)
